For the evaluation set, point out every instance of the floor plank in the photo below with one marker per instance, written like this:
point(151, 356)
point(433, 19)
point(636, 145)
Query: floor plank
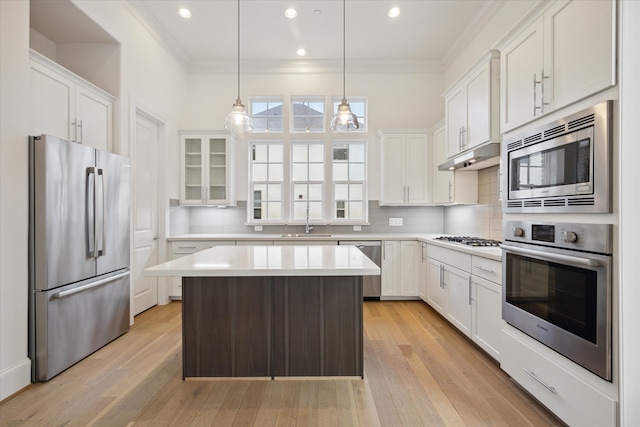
point(418, 371)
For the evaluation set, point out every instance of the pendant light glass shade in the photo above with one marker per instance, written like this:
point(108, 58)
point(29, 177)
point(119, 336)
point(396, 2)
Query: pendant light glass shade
point(344, 120)
point(238, 121)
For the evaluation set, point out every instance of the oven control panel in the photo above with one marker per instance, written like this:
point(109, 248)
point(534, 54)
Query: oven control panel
point(586, 237)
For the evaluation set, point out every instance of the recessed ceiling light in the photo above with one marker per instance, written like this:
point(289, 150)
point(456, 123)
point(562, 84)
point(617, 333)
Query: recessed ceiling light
point(317, 12)
point(184, 12)
point(290, 13)
point(393, 12)
point(301, 52)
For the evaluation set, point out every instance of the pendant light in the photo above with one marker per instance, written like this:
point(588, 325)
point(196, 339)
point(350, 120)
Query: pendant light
point(238, 121)
point(344, 119)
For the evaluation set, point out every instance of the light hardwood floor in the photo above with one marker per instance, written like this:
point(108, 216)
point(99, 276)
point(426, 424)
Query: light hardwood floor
point(418, 371)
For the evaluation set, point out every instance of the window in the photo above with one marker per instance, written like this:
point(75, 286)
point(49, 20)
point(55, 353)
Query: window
point(307, 114)
point(267, 114)
point(349, 193)
point(307, 181)
point(267, 176)
point(358, 106)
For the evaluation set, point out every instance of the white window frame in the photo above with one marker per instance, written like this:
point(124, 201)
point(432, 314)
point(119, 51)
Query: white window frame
point(363, 121)
point(307, 99)
point(323, 220)
point(268, 99)
point(283, 184)
point(365, 197)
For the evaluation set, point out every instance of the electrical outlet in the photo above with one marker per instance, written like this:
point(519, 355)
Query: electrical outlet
point(357, 228)
point(257, 228)
point(395, 222)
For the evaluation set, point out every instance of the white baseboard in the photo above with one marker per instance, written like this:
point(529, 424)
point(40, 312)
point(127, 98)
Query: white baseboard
point(15, 378)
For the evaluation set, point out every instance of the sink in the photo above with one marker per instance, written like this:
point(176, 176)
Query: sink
point(306, 235)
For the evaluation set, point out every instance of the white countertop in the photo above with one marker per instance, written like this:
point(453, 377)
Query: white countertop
point(494, 253)
point(299, 260)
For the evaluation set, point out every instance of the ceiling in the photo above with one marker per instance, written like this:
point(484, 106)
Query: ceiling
point(426, 31)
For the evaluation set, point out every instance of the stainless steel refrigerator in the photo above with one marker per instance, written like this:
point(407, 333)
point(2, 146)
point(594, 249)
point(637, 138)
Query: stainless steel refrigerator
point(78, 252)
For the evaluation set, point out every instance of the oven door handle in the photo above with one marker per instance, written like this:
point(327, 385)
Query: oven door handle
point(580, 261)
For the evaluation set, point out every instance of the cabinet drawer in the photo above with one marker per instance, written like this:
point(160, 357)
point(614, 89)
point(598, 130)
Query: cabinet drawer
point(487, 269)
point(189, 247)
point(565, 394)
point(449, 256)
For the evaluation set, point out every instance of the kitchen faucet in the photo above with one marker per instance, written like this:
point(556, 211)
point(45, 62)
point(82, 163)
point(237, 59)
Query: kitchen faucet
point(308, 228)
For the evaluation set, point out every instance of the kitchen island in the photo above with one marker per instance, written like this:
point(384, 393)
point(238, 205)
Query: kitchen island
point(270, 311)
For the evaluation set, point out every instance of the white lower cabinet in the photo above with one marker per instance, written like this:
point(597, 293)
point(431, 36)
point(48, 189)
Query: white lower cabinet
point(541, 372)
point(424, 273)
point(401, 269)
point(458, 285)
point(486, 315)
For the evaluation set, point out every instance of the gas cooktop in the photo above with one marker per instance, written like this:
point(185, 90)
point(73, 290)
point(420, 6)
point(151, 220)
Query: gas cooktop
point(469, 241)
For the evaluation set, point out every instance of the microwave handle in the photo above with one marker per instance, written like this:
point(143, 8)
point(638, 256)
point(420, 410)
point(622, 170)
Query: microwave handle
point(586, 262)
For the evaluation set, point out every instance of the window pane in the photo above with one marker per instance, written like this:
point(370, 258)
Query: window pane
point(299, 210)
point(274, 209)
point(300, 192)
point(315, 210)
point(315, 192)
point(356, 172)
point(356, 153)
point(299, 172)
point(299, 153)
point(316, 153)
point(259, 172)
point(342, 191)
point(340, 172)
point(300, 124)
point(355, 210)
point(341, 153)
point(355, 192)
point(276, 153)
point(316, 172)
point(276, 172)
point(274, 192)
point(260, 153)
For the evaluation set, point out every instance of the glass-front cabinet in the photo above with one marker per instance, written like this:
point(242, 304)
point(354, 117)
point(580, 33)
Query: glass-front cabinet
point(206, 171)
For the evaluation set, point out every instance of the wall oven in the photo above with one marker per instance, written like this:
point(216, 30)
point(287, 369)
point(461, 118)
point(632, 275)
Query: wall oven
point(564, 166)
point(557, 288)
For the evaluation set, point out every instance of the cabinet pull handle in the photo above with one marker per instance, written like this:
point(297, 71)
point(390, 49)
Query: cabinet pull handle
point(462, 139)
point(408, 194)
point(81, 133)
point(479, 267)
point(442, 276)
point(548, 387)
point(450, 186)
point(470, 290)
point(186, 247)
point(542, 79)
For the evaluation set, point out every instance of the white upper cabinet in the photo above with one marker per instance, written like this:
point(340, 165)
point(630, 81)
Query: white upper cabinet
point(405, 168)
point(472, 107)
point(207, 177)
point(450, 187)
point(64, 105)
point(566, 55)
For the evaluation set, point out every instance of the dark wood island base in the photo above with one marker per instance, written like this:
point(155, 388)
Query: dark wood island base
point(272, 326)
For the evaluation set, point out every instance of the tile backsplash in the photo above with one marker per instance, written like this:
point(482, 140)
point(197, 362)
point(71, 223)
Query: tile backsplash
point(483, 220)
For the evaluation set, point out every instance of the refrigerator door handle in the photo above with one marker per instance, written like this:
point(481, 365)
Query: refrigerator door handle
point(101, 251)
point(91, 211)
point(63, 294)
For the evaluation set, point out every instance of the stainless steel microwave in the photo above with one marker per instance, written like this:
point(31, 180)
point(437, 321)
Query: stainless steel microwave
point(561, 167)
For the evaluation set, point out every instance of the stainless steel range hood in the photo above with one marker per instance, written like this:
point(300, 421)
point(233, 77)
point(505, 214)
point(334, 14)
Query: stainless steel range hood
point(478, 158)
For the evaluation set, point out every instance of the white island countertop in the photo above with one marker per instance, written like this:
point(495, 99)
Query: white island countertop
point(300, 260)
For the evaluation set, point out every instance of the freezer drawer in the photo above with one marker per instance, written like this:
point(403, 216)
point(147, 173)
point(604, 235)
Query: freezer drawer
point(73, 321)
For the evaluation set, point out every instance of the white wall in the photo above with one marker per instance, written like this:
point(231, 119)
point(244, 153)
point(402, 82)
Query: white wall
point(410, 100)
point(15, 368)
point(150, 77)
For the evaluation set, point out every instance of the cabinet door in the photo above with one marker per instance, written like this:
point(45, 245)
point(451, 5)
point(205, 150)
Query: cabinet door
point(52, 106)
point(218, 173)
point(436, 293)
point(424, 273)
point(93, 119)
point(478, 108)
point(579, 53)
point(390, 269)
point(486, 315)
point(521, 63)
point(417, 169)
point(193, 169)
point(392, 185)
point(455, 120)
point(410, 253)
point(443, 180)
point(458, 286)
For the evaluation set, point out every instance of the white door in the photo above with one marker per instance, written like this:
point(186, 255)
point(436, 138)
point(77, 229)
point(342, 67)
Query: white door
point(145, 213)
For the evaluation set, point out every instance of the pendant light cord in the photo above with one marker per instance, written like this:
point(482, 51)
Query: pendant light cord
point(344, 49)
point(238, 49)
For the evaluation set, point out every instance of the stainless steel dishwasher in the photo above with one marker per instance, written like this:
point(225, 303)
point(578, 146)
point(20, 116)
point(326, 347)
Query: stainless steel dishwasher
point(373, 250)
